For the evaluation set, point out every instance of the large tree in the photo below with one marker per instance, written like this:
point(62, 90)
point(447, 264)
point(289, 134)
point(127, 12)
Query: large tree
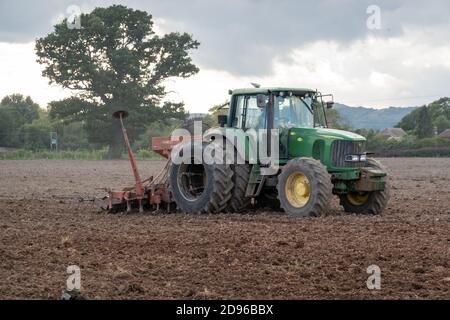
point(115, 61)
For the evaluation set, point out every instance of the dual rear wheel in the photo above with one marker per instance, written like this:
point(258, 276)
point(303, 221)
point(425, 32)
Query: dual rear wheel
point(198, 187)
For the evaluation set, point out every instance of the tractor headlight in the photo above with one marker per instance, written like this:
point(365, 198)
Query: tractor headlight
point(356, 158)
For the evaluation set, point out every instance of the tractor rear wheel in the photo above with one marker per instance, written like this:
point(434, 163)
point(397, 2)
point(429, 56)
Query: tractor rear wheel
point(372, 202)
point(304, 187)
point(189, 125)
point(201, 187)
point(241, 176)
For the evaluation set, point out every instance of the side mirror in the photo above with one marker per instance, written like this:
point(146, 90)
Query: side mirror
point(329, 104)
point(261, 100)
point(222, 120)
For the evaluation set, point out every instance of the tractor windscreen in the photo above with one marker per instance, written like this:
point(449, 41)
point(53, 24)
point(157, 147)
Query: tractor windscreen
point(293, 112)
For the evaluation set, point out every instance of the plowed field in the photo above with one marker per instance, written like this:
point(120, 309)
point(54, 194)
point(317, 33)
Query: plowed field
point(47, 224)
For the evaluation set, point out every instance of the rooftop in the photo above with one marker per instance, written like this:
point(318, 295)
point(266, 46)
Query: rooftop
point(444, 134)
point(393, 132)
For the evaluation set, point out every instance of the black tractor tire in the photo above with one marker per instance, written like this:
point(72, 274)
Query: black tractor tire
point(215, 180)
point(189, 125)
point(316, 187)
point(241, 175)
point(376, 200)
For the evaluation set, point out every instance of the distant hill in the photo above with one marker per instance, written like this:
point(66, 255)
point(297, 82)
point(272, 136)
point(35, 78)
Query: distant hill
point(370, 118)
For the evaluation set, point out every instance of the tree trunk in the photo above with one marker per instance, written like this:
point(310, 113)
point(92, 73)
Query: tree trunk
point(116, 145)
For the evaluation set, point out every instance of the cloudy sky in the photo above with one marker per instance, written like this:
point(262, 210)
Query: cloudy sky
point(325, 44)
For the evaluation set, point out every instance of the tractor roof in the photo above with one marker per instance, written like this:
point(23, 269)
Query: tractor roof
point(269, 89)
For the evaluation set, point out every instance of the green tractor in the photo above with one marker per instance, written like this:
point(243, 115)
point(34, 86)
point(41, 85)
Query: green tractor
point(312, 162)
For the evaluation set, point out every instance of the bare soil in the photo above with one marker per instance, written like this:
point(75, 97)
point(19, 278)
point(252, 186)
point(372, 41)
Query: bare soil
point(47, 224)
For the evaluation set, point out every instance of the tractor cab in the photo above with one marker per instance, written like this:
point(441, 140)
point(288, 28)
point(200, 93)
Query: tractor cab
point(298, 115)
point(277, 108)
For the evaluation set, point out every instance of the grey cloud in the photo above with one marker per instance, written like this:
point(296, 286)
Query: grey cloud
point(22, 21)
point(242, 37)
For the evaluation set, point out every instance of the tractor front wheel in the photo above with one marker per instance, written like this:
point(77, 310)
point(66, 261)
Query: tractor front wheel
point(372, 202)
point(304, 187)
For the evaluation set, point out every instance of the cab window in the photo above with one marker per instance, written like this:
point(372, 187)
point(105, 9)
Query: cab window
point(247, 114)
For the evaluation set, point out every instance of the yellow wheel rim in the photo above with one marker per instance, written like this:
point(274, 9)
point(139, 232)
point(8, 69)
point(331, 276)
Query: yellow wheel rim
point(297, 189)
point(357, 198)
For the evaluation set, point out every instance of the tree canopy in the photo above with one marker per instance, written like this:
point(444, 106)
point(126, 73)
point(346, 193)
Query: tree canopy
point(422, 121)
point(16, 111)
point(424, 125)
point(115, 61)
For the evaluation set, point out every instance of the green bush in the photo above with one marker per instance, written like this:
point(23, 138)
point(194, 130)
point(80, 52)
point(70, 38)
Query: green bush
point(72, 136)
point(147, 154)
point(422, 152)
point(432, 142)
point(22, 154)
point(37, 134)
